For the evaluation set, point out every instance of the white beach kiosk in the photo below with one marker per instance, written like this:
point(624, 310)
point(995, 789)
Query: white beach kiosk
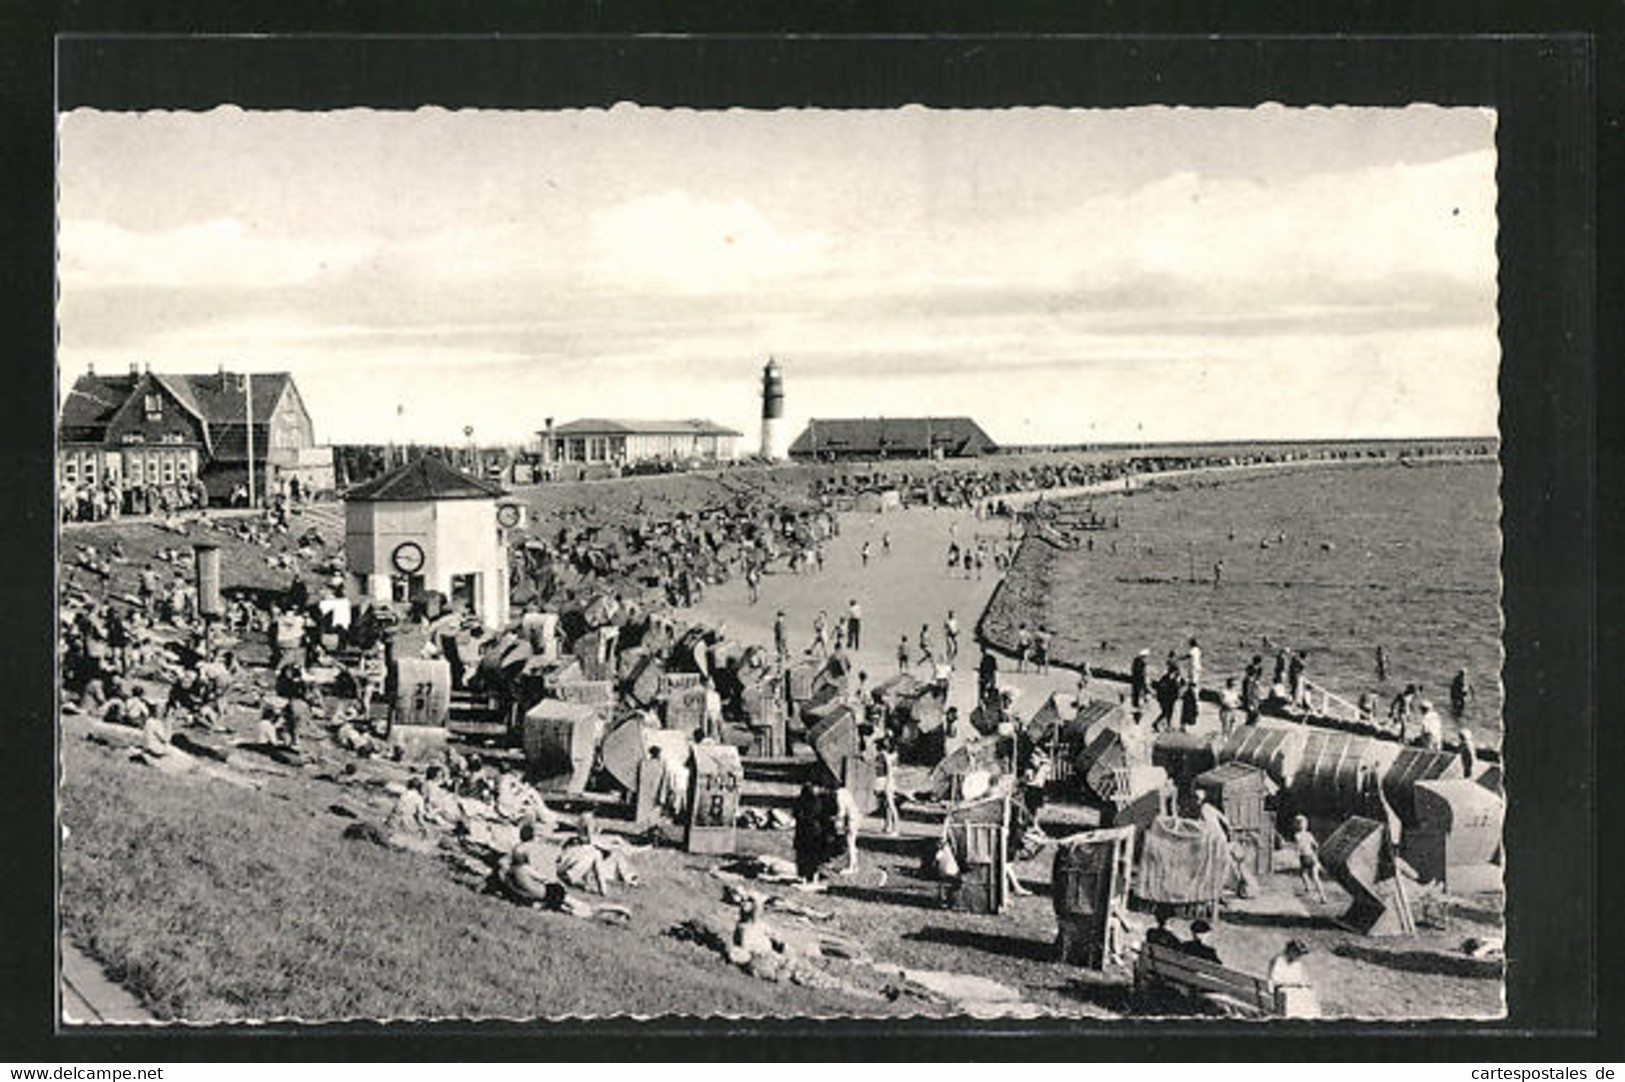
point(426, 526)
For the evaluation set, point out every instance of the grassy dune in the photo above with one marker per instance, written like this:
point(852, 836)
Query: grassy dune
point(211, 902)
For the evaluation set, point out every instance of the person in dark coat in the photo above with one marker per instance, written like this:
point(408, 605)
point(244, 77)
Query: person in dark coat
point(1252, 690)
point(1169, 686)
point(1139, 680)
point(810, 837)
point(987, 678)
point(1198, 945)
point(1161, 935)
point(1188, 708)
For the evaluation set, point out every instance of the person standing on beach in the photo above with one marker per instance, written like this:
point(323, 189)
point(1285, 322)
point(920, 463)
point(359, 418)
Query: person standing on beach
point(1193, 661)
point(1188, 707)
point(987, 677)
point(1024, 647)
point(1229, 703)
point(863, 554)
point(1041, 649)
point(820, 643)
point(1297, 680)
point(1280, 665)
point(902, 654)
point(888, 786)
point(1467, 749)
point(950, 637)
point(1432, 727)
point(854, 624)
point(1461, 693)
point(1308, 850)
point(1399, 711)
point(1252, 690)
point(1382, 664)
point(928, 656)
point(885, 544)
point(1168, 692)
point(1139, 682)
point(1218, 571)
point(781, 640)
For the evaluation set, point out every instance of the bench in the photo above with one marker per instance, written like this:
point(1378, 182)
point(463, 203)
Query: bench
point(1231, 990)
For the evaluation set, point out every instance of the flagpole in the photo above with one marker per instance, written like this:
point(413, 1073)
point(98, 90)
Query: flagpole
point(248, 394)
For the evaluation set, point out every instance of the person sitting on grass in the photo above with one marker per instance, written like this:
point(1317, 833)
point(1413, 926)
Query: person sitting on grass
point(520, 878)
point(593, 861)
point(409, 817)
point(155, 735)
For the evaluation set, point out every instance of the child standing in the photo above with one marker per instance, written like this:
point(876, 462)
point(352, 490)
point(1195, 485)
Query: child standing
point(888, 791)
point(1308, 857)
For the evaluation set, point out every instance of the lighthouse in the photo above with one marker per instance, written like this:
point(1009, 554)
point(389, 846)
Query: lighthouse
point(773, 443)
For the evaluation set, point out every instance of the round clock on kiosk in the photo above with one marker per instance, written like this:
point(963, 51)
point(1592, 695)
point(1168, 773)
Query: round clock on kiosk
point(408, 557)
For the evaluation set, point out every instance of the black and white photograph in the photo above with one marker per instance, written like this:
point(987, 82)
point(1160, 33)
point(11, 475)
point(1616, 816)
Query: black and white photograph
point(1016, 563)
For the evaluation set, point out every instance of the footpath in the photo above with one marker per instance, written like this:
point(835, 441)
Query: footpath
point(89, 997)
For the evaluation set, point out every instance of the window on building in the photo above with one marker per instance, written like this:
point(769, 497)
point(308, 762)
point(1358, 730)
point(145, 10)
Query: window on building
point(155, 406)
point(88, 466)
point(133, 437)
point(183, 467)
point(152, 469)
point(169, 469)
point(135, 470)
point(70, 470)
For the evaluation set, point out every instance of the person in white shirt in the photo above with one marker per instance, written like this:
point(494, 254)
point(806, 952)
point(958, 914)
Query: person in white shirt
point(1194, 661)
point(1432, 727)
point(1294, 994)
point(335, 610)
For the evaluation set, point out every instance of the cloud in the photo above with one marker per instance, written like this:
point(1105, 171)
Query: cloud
point(676, 241)
point(1033, 267)
point(220, 253)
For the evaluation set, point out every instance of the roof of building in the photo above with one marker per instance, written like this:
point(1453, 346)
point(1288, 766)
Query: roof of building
point(615, 426)
point(913, 435)
point(218, 399)
point(425, 478)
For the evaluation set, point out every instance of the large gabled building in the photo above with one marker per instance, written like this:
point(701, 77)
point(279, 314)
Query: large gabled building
point(162, 430)
point(891, 437)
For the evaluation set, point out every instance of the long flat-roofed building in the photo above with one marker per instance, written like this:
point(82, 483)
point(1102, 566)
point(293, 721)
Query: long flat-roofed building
point(623, 442)
point(891, 437)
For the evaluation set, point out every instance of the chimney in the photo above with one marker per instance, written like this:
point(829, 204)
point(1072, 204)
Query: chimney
point(90, 368)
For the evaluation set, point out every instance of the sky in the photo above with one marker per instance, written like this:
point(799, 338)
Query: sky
point(1061, 275)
